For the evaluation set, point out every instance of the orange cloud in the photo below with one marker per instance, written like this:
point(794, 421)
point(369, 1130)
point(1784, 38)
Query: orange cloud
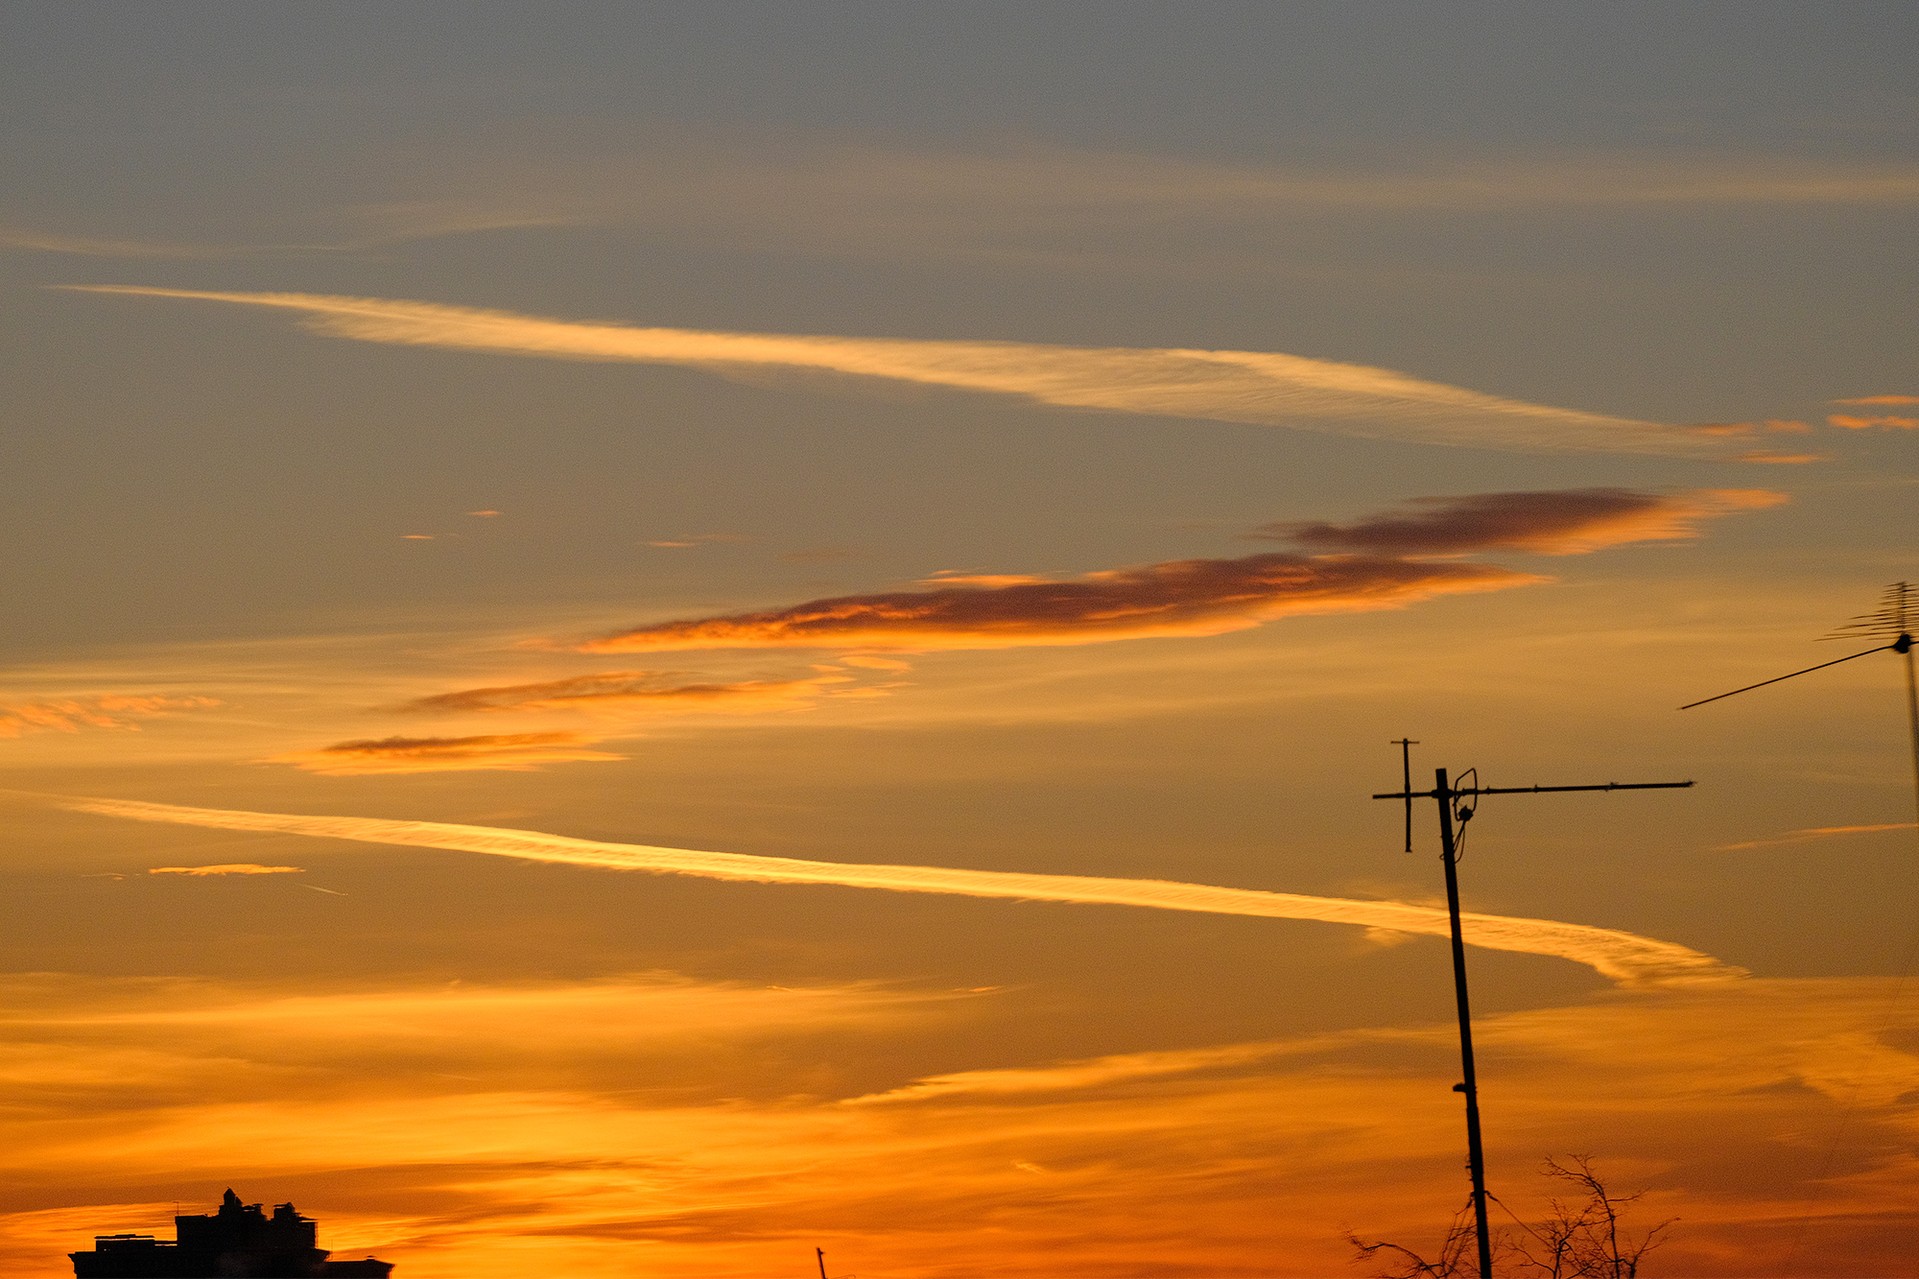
point(1881, 399)
point(1371, 567)
point(1179, 598)
point(1560, 522)
point(507, 752)
point(958, 577)
point(1849, 422)
point(1771, 458)
point(629, 689)
point(1771, 425)
point(1621, 956)
point(229, 868)
point(870, 662)
point(1266, 388)
point(495, 1132)
point(96, 710)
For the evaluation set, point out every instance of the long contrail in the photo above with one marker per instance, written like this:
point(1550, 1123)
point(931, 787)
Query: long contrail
point(1267, 388)
point(1626, 958)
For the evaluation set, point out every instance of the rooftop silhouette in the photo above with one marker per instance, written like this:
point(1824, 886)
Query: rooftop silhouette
point(239, 1241)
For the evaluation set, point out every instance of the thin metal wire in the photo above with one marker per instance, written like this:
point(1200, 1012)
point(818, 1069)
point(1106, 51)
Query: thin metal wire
point(1775, 679)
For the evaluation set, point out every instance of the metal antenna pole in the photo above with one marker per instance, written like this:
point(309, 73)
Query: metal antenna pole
point(1899, 611)
point(1469, 1084)
point(1903, 646)
point(1445, 794)
point(820, 1255)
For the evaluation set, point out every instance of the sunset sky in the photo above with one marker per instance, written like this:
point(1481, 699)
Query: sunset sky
point(645, 637)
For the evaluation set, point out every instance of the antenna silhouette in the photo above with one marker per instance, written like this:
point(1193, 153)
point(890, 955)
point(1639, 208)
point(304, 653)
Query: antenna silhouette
point(1894, 617)
point(1406, 745)
point(1449, 799)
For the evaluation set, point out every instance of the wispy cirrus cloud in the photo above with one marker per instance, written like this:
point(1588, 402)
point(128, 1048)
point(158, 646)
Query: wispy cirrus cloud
point(1809, 833)
point(1177, 598)
point(1765, 426)
point(93, 710)
point(1874, 421)
point(1623, 957)
point(1746, 431)
point(690, 541)
point(228, 868)
point(616, 691)
point(1077, 1076)
point(36, 241)
point(620, 1008)
point(1054, 202)
point(1256, 387)
point(1556, 522)
point(361, 228)
point(1776, 457)
point(499, 752)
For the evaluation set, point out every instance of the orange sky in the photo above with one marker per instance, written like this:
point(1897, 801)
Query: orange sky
point(647, 642)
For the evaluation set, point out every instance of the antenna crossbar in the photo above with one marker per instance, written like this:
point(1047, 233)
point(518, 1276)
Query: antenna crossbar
point(1463, 791)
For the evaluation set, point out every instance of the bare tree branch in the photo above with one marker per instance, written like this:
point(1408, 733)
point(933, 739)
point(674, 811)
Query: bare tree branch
point(1581, 1238)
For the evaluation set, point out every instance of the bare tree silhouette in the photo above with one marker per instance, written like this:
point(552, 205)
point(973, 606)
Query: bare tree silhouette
point(1585, 1237)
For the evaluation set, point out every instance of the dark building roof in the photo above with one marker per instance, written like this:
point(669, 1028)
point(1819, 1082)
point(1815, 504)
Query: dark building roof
point(240, 1241)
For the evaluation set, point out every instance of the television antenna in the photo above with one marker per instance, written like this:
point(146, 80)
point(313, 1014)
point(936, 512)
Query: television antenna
point(1898, 607)
point(1459, 803)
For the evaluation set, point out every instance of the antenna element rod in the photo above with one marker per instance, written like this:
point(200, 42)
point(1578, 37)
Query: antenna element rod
point(1530, 790)
point(1406, 745)
point(1775, 679)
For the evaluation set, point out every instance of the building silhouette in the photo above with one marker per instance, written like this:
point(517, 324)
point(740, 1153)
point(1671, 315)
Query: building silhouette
point(240, 1241)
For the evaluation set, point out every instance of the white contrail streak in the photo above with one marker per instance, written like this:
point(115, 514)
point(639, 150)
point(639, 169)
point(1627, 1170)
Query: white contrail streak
point(1260, 387)
point(1623, 957)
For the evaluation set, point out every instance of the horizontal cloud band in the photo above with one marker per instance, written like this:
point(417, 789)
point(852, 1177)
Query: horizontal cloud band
point(1381, 561)
point(1264, 388)
point(1148, 601)
point(1622, 957)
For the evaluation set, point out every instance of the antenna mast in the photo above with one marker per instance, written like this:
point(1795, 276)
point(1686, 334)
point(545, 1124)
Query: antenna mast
point(1448, 796)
